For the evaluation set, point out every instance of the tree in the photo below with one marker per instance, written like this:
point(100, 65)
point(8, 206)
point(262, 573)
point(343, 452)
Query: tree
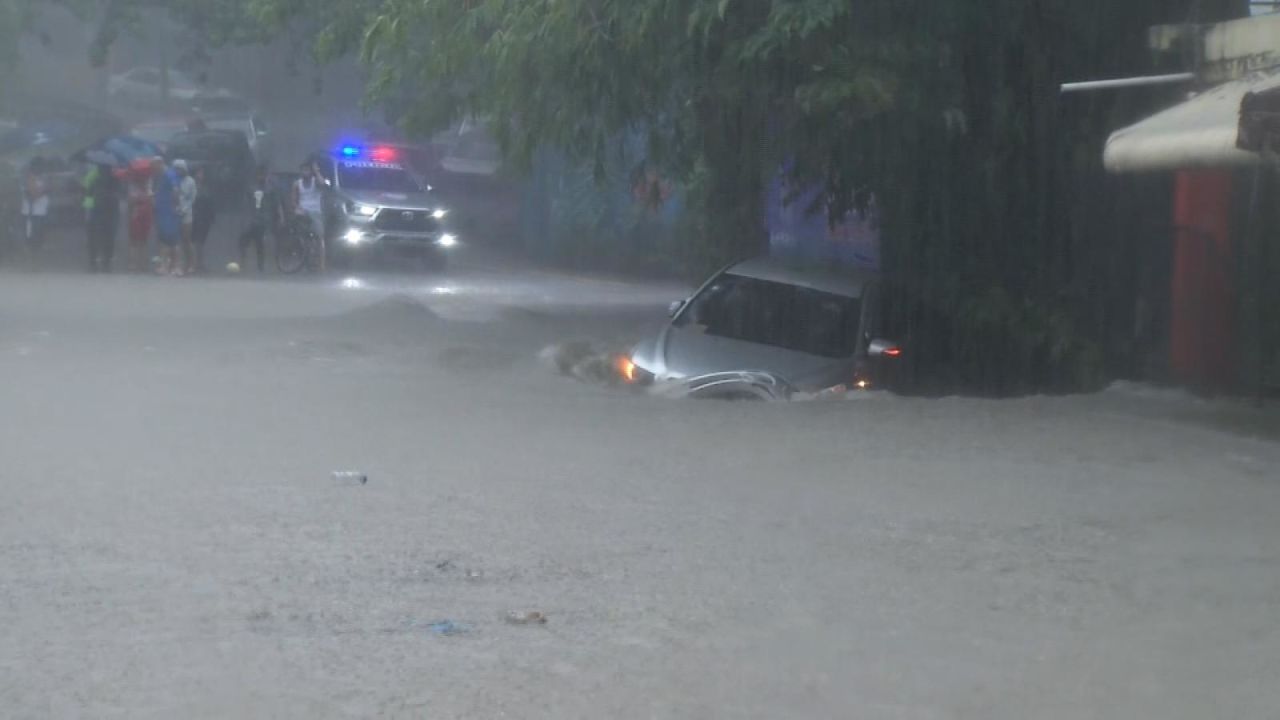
point(702, 79)
point(947, 109)
point(1009, 251)
point(17, 17)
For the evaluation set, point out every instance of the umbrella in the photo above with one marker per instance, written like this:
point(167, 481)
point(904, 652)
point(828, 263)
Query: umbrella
point(119, 151)
point(100, 157)
point(130, 148)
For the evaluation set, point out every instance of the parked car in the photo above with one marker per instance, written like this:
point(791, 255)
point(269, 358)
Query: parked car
point(473, 151)
point(225, 157)
point(61, 181)
point(161, 131)
point(54, 133)
point(226, 104)
point(250, 125)
point(146, 85)
point(764, 327)
point(34, 137)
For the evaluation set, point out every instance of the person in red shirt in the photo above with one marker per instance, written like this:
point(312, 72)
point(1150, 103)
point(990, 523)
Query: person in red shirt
point(142, 205)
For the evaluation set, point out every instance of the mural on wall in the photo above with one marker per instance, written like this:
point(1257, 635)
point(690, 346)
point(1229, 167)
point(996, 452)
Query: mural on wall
point(800, 227)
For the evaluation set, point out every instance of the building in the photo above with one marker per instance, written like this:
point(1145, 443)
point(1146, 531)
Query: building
point(1222, 146)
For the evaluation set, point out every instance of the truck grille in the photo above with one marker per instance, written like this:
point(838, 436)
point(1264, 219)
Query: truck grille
point(415, 221)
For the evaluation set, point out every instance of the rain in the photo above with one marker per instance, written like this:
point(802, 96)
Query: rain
point(443, 360)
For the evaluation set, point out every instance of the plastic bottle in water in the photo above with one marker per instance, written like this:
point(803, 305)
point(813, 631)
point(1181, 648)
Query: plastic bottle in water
point(350, 477)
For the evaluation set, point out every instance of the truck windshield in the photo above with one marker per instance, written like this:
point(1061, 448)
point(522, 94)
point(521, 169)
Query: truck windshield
point(376, 177)
point(771, 313)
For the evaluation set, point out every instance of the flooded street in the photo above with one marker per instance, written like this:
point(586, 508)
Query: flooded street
point(173, 544)
point(737, 360)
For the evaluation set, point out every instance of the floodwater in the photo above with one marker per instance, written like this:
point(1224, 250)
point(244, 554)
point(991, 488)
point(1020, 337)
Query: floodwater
point(172, 543)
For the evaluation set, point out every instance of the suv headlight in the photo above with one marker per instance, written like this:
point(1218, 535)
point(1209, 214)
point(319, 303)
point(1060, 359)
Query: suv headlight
point(631, 373)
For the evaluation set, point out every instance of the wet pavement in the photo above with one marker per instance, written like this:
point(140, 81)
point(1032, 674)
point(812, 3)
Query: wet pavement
point(173, 542)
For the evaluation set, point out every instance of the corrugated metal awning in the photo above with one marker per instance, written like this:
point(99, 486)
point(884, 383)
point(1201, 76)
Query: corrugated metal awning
point(1199, 133)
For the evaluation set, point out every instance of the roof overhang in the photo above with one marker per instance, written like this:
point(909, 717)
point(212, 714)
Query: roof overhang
point(1203, 132)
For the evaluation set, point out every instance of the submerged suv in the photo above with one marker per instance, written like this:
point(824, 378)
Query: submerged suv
point(376, 207)
point(767, 328)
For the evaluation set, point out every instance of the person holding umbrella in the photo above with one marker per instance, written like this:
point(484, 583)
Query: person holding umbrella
point(141, 204)
point(130, 160)
point(104, 211)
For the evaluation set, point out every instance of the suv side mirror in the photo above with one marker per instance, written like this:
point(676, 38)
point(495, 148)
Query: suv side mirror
point(881, 348)
point(674, 308)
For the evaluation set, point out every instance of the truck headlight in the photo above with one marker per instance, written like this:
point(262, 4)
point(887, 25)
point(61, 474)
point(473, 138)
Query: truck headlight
point(446, 240)
point(439, 213)
point(365, 210)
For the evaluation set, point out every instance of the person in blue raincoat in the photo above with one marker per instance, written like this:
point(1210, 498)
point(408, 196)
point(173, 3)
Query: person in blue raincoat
point(167, 220)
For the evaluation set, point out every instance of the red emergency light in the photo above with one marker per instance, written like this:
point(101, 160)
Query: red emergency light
point(383, 154)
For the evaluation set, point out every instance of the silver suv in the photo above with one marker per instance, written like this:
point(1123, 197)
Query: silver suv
point(767, 328)
point(375, 206)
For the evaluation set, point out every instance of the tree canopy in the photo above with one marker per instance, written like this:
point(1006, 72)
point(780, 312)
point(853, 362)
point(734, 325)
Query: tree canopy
point(1001, 231)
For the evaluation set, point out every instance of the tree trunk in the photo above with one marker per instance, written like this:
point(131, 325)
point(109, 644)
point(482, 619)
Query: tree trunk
point(731, 197)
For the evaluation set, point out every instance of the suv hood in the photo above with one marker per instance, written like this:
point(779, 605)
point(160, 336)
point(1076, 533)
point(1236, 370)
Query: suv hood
point(686, 353)
point(406, 201)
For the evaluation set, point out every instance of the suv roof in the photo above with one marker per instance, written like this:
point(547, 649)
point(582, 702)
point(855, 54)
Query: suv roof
point(229, 116)
point(847, 282)
point(203, 142)
point(221, 104)
point(196, 136)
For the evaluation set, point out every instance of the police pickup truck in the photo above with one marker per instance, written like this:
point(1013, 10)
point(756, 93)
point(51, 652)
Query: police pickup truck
point(375, 207)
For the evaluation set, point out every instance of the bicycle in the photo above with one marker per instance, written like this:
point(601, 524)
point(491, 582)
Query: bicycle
point(298, 246)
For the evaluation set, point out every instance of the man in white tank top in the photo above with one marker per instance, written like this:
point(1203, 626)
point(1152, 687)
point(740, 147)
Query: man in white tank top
point(308, 200)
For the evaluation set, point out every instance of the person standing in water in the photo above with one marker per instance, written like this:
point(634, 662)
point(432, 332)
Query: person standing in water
point(204, 212)
point(141, 204)
point(265, 212)
point(186, 195)
point(308, 201)
point(35, 209)
point(168, 223)
point(104, 217)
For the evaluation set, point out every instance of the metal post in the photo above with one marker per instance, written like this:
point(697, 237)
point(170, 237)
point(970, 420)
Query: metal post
point(1254, 240)
point(1140, 81)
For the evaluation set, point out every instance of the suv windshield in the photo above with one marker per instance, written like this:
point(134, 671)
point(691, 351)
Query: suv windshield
point(243, 126)
point(777, 314)
point(159, 133)
point(376, 177)
point(207, 147)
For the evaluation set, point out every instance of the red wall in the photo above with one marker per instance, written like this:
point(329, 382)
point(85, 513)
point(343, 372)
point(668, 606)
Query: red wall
point(1202, 332)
